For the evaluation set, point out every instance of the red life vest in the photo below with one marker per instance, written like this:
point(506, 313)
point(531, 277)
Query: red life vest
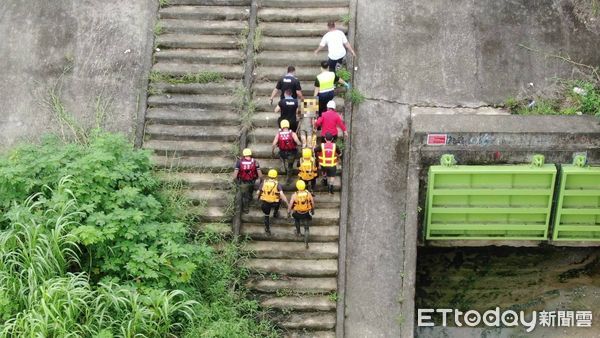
point(248, 170)
point(286, 141)
point(328, 156)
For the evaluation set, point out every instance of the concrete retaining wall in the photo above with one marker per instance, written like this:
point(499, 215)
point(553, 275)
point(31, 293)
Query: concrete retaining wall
point(105, 46)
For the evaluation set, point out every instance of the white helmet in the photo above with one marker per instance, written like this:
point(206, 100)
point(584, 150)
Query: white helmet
point(331, 104)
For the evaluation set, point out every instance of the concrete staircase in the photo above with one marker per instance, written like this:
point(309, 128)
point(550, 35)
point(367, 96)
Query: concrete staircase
point(195, 127)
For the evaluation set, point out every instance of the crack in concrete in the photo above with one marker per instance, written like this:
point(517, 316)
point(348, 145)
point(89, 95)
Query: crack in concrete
point(430, 105)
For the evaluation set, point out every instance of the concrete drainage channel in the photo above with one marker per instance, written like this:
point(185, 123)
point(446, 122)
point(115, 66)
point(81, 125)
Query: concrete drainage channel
point(192, 127)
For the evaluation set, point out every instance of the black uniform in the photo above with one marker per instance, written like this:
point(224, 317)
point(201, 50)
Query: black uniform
point(288, 82)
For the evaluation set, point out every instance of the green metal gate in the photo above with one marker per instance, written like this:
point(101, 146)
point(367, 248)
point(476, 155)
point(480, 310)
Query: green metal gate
point(578, 208)
point(479, 202)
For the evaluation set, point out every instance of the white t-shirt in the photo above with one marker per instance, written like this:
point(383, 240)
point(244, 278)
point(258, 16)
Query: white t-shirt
point(335, 41)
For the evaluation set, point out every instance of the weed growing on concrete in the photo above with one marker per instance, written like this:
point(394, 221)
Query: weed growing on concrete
point(257, 38)
point(163, 3)
point(243, 38)
point(344, 74)
point(158, 28)
point(354, 96)
point(333, 296)
point(345, 19)
point(201, 77)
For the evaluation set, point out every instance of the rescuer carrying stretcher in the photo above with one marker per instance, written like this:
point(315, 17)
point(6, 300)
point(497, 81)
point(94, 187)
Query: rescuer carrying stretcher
point(287, 141)
point(307, 169)
point(328, 158)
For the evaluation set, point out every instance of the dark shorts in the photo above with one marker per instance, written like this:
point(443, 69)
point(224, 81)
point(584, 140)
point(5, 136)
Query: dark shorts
point(329, 171)
point(300, 216)
point(288, 154)
point(267, 207)
point(333, 64)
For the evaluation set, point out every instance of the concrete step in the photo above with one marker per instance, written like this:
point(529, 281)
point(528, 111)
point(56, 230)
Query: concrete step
point(184, 133)
point(262, 90)
point(298, 285)
point(200, 56)
point(272, 73)
point(213, 88)
point(223, 228)
point(291, 250)
point(203, 27)
point(214, 164)
point(191, 116)
point(212, 198)
point(216, 102)
point(302, 4)
point(206, 181)
point(294, 267)
point(323, 216)
point(309, 334)
point(289, 45)
point(199, 41)
point(211, 2)
point(298, 29)
point(256, 231)
point(305, 15)
point(299, 303)
point(298, 59)
point(308, 321)
point(188, 148)
point(205, 12)
point(179, 69)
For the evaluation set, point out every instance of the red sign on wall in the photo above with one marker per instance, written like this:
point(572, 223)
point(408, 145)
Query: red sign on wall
point(437, 139)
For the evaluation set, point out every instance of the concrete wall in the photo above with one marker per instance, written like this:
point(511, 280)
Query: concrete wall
point(106, 44)
point(442, 54)
point(466, 52)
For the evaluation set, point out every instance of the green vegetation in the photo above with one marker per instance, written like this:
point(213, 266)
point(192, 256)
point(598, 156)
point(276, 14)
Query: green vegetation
point(345, 19)
point(201, 77)
point(354, 96)
point(574, 98)
point(93, 244)
point(158, 28)
point(257, 38)
point(344, 74)
point(163, 3)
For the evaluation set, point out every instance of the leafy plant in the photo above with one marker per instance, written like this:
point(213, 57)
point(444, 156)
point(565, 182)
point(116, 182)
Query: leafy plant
point(344, 74)
point(163, 3)
point(345, 18)
point(354, 96)
point(158, 28)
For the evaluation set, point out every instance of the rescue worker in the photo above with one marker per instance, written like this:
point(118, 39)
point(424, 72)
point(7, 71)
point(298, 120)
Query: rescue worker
point(288, 81)
point(246, 172)
point(328, 158)
point(307, 169)
point(290, 109)
point(336, 43)
point(302, 207)
point(270, 194)
point(329, 122)
point(325, 86)
point(287, 141)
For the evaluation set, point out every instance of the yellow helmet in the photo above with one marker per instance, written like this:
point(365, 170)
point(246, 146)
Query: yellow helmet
point(284, 124)
point(300, 185)
point(306, 153)
point(272, 173)
point(247, 152)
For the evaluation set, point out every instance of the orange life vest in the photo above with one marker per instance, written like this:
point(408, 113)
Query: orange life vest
point(303, 202)
point(328, 156)
point(269, 192)
point(307, 170)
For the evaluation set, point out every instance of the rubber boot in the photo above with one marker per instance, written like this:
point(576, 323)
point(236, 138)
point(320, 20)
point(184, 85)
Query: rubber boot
point(267, 226)
point(331, 189)
point(276, 211)
point(306, 233)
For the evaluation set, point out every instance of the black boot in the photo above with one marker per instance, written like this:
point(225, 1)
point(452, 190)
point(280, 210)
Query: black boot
point(276, 212)
point(267, 226)
point(331, 189)
point(297, 223)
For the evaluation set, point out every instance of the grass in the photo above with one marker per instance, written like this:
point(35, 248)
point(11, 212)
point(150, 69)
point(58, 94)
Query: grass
point(243, 38)
point(163, 3)
point(201, 77)
point(257, 38)
point(158, 28)
point(574, 98)
point(345, 19)
point(344, 74)
point(354, 96)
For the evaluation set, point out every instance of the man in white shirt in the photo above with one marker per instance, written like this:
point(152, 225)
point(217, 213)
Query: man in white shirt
point(336, 43)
